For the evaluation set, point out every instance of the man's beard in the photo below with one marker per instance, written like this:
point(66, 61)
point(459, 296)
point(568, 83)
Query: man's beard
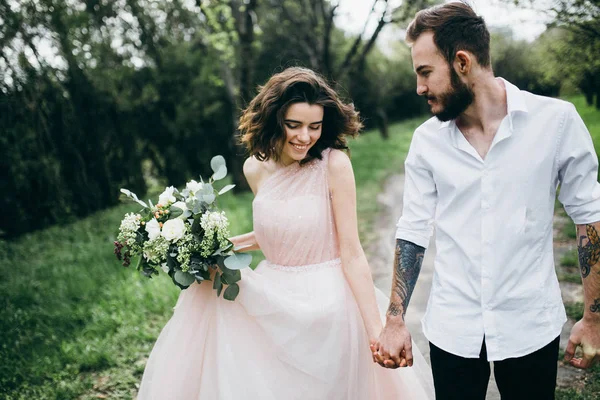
point(456, 100)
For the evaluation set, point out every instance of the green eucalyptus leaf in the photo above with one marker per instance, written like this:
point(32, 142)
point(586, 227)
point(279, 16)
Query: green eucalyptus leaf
point(219, 167)
point(175, 212)
point(218, 284)
point(238, 261)
point(133, 197)
point(209, 198)
point(183, 278)
point(226, 189)
point(223, 249)
point(232, 276)
point(224, 280)
point(231, 292)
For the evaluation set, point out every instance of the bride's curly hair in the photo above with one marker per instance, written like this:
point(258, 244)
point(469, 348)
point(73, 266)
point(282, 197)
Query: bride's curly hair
point(262, 123)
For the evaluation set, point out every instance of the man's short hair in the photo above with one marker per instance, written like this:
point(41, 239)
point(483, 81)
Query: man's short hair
point(455, 27)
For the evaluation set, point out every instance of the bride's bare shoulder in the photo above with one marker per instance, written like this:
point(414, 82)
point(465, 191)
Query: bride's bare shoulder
point(339, 162)
point(255, 171)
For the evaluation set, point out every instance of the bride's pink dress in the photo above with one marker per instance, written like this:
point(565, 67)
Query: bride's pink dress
point(295, 330)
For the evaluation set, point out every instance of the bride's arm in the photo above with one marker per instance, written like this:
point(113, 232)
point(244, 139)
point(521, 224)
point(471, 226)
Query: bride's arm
point(354, 261)
point(247, 241)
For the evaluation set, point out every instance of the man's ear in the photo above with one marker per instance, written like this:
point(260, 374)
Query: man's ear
point(463, 62)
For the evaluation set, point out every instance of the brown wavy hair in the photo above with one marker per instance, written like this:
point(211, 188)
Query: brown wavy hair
point(261, 125)
point(455, 27)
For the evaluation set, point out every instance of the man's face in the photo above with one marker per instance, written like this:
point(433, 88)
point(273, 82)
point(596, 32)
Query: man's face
point(447, 95)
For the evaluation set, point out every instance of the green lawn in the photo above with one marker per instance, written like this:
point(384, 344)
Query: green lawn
point(75, 324)
point(591, 390)
point(591, 117)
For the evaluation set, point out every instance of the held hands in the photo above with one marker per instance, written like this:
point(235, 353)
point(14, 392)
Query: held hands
point(585, 334)
point(394, 347)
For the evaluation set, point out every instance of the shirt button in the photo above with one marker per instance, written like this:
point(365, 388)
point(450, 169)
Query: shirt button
point(485, 205)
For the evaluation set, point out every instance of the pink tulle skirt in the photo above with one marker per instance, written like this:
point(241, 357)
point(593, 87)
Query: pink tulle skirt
point(292, 333)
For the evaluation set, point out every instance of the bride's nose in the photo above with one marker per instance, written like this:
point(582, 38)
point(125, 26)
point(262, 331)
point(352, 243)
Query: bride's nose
point(303, 135)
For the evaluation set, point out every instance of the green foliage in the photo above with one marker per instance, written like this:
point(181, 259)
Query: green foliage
point(157, 84)
point(570, 258)
point(521, 63)
point(590, 390)
point(591, 117)
point(574, 310)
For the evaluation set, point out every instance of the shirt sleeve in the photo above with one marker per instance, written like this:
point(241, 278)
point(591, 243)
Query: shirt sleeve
point(420, 199)
point(578, 171)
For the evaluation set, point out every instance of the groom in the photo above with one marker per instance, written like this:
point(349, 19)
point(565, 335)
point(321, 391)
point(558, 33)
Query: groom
point(486, 171)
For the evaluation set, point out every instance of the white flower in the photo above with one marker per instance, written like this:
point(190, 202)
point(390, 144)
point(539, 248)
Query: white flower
point(173, 229)
point(167, 197)
point(153, 229)
point(215, 226)
point(193, 186)
point(164, 267)
point(186, 213)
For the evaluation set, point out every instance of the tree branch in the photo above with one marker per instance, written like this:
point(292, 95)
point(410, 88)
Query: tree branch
point(354, 49)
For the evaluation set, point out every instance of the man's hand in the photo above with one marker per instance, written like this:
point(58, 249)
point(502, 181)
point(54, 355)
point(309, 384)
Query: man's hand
point(394, 347)
point(585, 334)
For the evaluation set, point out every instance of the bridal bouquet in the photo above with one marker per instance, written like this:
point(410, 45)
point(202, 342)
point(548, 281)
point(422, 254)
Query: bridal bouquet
point(185, 235)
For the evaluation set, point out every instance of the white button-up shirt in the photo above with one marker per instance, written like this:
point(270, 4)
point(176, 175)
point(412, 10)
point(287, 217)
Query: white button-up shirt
point(494, 269)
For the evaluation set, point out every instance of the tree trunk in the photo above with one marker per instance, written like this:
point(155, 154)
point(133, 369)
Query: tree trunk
point(382, 123)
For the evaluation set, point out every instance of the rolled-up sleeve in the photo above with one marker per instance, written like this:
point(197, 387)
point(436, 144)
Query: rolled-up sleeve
point(578, 171)
point(420, 199)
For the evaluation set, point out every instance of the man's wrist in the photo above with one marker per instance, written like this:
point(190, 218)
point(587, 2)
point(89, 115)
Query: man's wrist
point(591, 318)
point(397, 320)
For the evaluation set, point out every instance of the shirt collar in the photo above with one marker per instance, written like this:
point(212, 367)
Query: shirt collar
point(515, 100)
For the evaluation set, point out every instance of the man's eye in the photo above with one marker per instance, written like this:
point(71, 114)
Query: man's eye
point(426, 73)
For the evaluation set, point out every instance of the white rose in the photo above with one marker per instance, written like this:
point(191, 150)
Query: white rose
point(193, 186)
point(167, 197)
point(153, 229)
point(186, 213)
point(173, 229)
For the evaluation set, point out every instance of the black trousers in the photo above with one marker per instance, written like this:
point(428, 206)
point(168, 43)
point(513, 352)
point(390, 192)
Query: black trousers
point(531, 377)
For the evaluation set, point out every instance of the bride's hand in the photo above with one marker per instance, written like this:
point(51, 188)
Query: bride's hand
point(394, 347)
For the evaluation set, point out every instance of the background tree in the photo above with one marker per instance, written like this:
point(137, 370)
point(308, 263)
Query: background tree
point(576, 24)
point(99, 95)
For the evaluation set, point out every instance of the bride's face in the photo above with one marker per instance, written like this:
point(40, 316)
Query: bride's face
point(303, 123)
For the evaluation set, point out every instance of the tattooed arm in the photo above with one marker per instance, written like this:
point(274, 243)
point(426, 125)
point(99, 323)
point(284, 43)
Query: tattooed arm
point(407, 266)
point(586, 333)
point(395, 343)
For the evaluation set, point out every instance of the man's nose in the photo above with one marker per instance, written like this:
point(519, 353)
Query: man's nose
point(421, 89)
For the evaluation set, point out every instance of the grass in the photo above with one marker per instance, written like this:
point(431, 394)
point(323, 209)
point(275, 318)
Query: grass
point(574, 310)
point(75, 324)
point(374, 160)
point(570, 258)
point(591, 117)
point(591, 388)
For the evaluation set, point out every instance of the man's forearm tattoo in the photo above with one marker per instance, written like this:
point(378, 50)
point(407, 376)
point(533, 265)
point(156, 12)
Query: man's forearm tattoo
point(394, 309)
point(407, 266)
point(589, 254)
point(595, 308)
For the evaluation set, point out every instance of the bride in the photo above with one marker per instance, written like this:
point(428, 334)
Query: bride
point(303, 322)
